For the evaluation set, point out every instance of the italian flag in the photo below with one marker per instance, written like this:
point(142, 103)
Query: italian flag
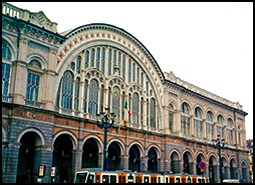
point(127, 107)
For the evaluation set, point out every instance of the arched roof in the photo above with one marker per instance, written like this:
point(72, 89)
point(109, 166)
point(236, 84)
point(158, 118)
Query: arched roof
point(121, 32)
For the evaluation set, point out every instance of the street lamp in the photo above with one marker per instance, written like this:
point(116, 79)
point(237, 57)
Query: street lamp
point(105, 120)
point(219, 144)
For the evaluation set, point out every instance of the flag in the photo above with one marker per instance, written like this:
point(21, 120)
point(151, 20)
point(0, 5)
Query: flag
point(126, 107)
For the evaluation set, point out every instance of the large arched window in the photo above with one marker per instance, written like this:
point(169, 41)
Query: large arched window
point(209, 126)
point(67, 90)
point(93, 97)
point(198, 122)
point(185, 119)
point(90, 87)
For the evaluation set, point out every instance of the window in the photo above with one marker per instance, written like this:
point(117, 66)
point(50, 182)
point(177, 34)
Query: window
point(198, 123)
point(116, 101)
point(67, 90)
point(152, 113)
point(78, 65)
point(209, 126)
point(135, 108)
point(32, 90)
point(76, 95)
point(6, 71)
point(185, 120)
point(230, 125)
point(92, 57)
point(92, 91)
point(170, 121)
point(220, 125)
point(93, 97)
point(6, 53)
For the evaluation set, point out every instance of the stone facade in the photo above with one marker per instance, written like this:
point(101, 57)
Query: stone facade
point(55, 84)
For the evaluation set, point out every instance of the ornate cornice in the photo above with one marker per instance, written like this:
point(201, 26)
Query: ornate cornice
point(184, 86)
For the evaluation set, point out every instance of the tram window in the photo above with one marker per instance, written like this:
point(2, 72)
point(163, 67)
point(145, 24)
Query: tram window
point(153, 179)
point(178, 180)
point(138, 179)
point(184, 180)
point(105, 179)
point(97, 178)
point(146, 179)
point(80, 177)
point(189, 180)
point(172, 180)
point(166, 179)
point(112, 178)
point(91, 178)
point(158, 179)
point(130, 179)
point(199, 180)
point(203, 180)
point(194, 180)
point(122, 179)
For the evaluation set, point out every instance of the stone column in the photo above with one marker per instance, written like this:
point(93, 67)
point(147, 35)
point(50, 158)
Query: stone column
point(51, 85)
point(216, 174)
point(161, 164)
point(192, 133)
point(177, 123)
point(125, 162)
point(181, 166)
point(204, 129)
point(19, 77)
point(167, 166)
point(192, 167)
point(214, 130)
point(227, 172)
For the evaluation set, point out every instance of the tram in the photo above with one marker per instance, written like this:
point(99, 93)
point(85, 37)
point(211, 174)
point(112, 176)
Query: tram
point(97, 175)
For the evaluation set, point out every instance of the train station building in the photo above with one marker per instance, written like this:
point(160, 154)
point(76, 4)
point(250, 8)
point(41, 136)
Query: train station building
point(57, 88)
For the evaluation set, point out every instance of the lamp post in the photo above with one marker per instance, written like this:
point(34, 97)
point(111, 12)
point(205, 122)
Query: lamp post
point(105, 121)
point(219, 144)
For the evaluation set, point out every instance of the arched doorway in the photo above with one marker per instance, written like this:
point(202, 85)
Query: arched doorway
point(90, 154)
point(244, 173)
point(62, 158)
point(134, 159)
point(212, 169)
point(200, 158)
point(174, 166)
point(114, 156)
point(233, 169)
point(27, 167)
point(152, 160)
point(186, 163)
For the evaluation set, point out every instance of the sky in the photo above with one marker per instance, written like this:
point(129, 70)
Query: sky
point(207, 44)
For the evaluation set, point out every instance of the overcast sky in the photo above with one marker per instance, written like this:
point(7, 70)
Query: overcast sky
point(207, 44)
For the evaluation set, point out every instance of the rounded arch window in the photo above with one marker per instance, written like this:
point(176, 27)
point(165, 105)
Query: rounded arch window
point(185, 108)
point(198, 112)
point(220, 120)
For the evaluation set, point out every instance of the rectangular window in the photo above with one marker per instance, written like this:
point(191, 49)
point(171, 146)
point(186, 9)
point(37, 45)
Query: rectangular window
point(198, 128)
point(171, 122)
point(209, 131)
point(185, 125)
point(32, 91)
point(5, 78)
